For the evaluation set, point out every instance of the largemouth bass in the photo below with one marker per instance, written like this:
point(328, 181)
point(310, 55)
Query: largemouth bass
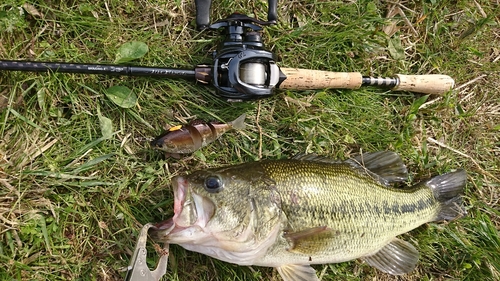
point(195, 135)
point(289, 214)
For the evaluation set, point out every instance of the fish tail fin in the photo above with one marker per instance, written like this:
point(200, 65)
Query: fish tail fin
point(448, 189)
point(239, 123)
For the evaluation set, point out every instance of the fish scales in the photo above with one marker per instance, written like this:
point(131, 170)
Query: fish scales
point(351, 204)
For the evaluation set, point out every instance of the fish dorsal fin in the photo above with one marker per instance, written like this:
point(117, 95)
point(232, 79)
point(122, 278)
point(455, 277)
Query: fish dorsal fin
point(297, 272)
point(175, 128)
point(315, 158)
point(396, 258)
point(386, 166)
point(196, 122)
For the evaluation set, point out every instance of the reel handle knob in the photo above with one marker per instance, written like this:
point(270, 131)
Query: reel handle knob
point(202, 13)
point(272, 11)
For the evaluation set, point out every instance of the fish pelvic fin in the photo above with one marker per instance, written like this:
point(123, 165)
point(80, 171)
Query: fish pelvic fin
point(448, 189)
point(297, 272)
point(396, 258)
point(239, 123)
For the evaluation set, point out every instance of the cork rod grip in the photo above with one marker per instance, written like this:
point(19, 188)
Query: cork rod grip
point(306, 79)
point(427, 84)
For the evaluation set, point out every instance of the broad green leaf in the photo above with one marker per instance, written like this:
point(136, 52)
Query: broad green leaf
point(395, 49)
point(200, 155)
point(106, 126)
point(122, 96)
point(131, 51)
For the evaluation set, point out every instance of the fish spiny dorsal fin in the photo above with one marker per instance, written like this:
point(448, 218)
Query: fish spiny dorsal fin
point(386, 166)
point(297, 272)
point(396, 258)
point(315, 158)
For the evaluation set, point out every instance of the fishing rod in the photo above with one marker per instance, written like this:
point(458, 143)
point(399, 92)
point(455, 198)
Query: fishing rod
point(243, 69)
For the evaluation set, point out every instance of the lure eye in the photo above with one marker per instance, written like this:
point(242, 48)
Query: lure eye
point(213, 184)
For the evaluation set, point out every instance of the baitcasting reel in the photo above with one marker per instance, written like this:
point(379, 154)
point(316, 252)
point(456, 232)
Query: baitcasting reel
point(242, 68)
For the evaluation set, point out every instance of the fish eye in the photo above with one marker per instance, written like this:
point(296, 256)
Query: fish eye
point(213, 184)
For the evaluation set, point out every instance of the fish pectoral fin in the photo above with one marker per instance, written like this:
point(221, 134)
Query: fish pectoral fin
point(306, 233)
point(396, 258)
point(308, 241)
point(297, 272)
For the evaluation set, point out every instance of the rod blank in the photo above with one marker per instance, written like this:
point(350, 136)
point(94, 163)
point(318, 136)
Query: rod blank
point(107, 69)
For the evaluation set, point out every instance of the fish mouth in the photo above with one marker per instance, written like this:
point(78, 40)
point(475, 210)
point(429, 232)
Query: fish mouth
point(192, 212)
point(158, 141)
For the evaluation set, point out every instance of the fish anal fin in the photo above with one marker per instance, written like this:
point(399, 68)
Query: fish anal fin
point(297, 272)
point(308, 241)
point(173, 155)
point(396, 258)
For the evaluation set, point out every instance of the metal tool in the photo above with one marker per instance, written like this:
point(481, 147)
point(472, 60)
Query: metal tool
point(138, 269)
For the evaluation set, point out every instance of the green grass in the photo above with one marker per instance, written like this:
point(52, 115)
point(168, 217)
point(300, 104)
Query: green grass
point(72, 201)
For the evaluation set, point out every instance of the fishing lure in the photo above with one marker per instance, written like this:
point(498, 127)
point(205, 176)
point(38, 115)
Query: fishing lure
point(183, 139)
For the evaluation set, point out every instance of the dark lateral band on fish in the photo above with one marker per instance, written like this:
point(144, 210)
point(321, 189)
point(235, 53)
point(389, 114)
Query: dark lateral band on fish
point(292, 213)
point(188, 138)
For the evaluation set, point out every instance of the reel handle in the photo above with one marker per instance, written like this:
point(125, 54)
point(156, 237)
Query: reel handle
point(203, 13)
point(306, 79)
